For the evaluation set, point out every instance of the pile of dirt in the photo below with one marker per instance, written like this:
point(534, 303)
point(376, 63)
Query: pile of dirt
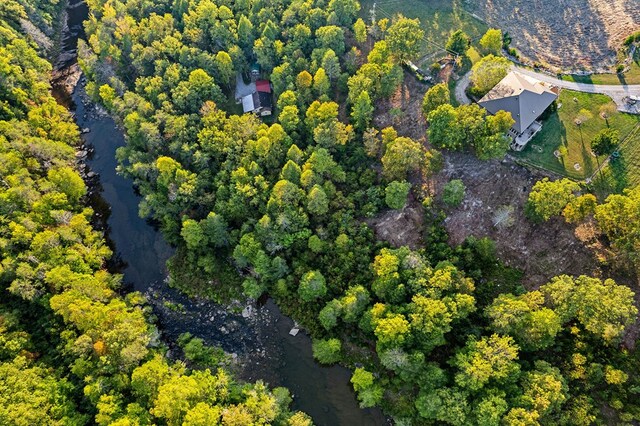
point(571, 35)
point(496, 193)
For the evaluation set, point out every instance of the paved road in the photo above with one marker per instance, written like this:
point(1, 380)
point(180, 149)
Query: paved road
point(615, 92)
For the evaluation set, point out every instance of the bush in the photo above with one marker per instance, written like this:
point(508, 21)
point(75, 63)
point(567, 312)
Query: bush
point(327, 351)
point(632, 38)
point(453, 193)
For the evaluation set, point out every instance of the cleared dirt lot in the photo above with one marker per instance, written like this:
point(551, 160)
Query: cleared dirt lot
point(568, 34)
point(496, 193)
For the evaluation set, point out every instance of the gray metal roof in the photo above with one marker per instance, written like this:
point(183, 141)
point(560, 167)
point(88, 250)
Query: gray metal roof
point(523, 96)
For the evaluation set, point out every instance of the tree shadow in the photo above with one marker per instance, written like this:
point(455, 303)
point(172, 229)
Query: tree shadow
point(587, 161)
point(622, 79)
point(619, 172)
point(613, 179)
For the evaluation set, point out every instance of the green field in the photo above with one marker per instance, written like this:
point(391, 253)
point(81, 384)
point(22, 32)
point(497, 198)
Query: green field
point(630, 77)
point(560, 130)
point(438, 18)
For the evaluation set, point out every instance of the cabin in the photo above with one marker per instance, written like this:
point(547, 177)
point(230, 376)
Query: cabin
point(259, 102)
point(526, 99)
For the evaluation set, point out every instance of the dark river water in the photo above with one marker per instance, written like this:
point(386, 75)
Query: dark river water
point(258, 338)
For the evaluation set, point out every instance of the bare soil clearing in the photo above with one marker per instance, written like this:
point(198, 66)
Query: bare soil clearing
point(404, 110)
point(542, 251)
point(400, 227)
point(571, 35)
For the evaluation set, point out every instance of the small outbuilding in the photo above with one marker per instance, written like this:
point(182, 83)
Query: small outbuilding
point(255, 71)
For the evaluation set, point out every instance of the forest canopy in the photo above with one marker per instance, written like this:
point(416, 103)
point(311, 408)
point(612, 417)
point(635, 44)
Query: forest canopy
point(436, 335)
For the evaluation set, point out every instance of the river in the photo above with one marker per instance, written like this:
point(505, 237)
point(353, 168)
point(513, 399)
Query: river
point(258, 338)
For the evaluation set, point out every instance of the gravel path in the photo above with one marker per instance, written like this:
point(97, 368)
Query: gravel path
point(461, 87)
point(616, 92)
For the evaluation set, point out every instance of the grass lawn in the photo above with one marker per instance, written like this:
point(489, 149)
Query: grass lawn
point(630, 77)
point(623, 172)
point(560, 130)
point(438, 18)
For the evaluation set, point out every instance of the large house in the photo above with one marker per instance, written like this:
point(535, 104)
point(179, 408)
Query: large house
point(526, 99)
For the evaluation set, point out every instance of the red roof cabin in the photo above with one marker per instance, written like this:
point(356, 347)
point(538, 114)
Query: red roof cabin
point(263, 86)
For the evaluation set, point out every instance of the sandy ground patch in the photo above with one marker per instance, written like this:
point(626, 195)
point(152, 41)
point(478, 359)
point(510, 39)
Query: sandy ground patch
point(568, 34)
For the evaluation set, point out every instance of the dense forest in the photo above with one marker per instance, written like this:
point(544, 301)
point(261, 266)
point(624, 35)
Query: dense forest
point(278, 207)
point(439, 335)
point(73, 349)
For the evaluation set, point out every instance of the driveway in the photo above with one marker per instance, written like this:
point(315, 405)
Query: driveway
point(460, 90)
point(616, 92)
point(243, 89)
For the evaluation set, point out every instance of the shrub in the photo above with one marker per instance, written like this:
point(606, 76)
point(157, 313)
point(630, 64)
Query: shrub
point(453, 193)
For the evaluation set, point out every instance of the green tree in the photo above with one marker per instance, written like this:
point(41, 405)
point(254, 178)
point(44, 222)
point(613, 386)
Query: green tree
point(402, 156)
point(605, 141)
point(435, 96)
point(548, 198)
point(545, 390)
point(491, 41)
point(331, 64)
point(360, 31)
point(444, 405)
point(458, 42)
point(403, 38)
point(327, 351)
point(193, 234)
point(344, 11)
point(490, 359)
point(444, 128)
point(580, 208)
point(318, 202)
point(396, 194)
point(331, 37)
point(329, 314)
point(488, 72)
point(312, 286)
point(362, 111)
point(604, 308)
point(618, 219)
point(224, 67)
point(67, 181)
point(369, 392)
point(533, 326)
point(321, 83)
point(289, 117)
point(32, 395)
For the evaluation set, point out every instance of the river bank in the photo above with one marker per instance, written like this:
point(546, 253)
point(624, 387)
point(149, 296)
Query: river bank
point(256, 338)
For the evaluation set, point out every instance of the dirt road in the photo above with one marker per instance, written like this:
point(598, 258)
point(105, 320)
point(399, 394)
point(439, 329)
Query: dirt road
point(615, 92)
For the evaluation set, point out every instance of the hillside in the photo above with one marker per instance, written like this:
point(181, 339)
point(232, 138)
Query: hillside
point(569, 34)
